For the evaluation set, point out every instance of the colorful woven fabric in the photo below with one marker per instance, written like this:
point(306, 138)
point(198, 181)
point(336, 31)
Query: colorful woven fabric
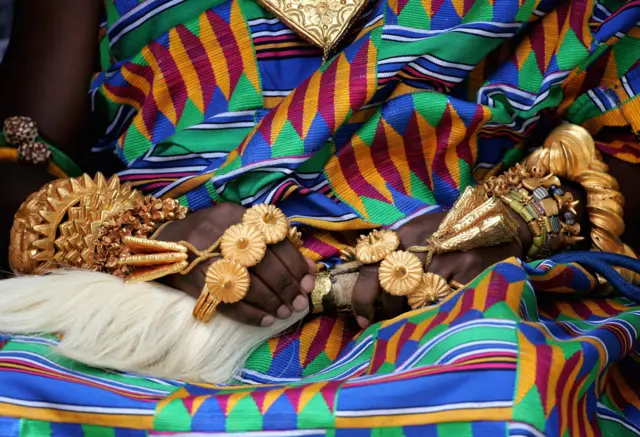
point(218, 100)
point(514, 354)
point(212, 100)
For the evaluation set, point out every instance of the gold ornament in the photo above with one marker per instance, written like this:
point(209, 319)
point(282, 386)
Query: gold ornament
point(375, 246)
point(569, 152)
point(226, 282)
point(152, 259)
point(473, 222)
point(269, 221)
point(295, 237)
point(400, 273)
point(348, 254)
point(243, 244)
point(58, 226)
point(321, 22)
point(432, 289)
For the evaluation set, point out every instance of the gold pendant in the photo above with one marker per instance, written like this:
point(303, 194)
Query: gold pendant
point(321, 22)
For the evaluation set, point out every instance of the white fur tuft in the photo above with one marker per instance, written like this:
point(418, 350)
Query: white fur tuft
point(144, 328)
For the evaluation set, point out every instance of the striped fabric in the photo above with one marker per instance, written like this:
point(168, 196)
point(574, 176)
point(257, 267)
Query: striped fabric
point(514, 354)
point(216, 100)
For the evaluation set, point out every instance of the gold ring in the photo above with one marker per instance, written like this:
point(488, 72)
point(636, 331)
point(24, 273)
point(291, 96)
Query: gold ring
point(455, 285)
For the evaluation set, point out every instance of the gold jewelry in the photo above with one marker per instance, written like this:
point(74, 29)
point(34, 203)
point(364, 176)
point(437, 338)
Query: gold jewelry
point(321, 22)
point(295, 237)
point(226, 282)
point(455, 285)
point(375, 246)
point(60, 224)
point(269, 221)
point(473, 222)
point(569, 152)
point(400, 273)
point(243, 244)
point(431, 289)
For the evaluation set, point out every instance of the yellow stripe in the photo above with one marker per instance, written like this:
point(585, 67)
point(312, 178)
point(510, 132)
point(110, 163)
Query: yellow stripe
point(216, 57)
point(160, 88)
point(186, 68)
point(310, 104)
point(493, 414)
point(397, 151)
point(240, 30)
point(367, 167)
point(109, 420)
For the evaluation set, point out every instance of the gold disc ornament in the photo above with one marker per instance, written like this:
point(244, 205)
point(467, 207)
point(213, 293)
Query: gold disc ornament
point(243, 244)
point(400, 273)
point(269, 221)
point(374, 247)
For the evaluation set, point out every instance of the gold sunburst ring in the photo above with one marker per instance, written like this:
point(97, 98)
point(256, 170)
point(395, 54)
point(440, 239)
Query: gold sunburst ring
point(226, 282)
point(270, 221)
point(376, 246)
point(400, 273)
point(432, 288)
point(243, 244)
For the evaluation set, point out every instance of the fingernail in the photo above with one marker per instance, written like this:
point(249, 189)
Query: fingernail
point(267, 321)
point(307, 284)
point(364, 323)
point(300, 303)
point(283, 312)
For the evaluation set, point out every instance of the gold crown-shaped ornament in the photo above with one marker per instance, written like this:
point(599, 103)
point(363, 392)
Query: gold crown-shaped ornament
point(58, 225)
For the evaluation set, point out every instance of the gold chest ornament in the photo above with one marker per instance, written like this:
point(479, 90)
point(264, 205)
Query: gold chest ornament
point(321, 22)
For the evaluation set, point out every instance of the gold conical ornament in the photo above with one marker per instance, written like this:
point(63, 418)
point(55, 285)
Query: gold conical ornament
point(375, 246)
point(400, 273)
point(58, 225)
point(431, 290)
point(473, 222)
point(295, 237)
point(269, 221)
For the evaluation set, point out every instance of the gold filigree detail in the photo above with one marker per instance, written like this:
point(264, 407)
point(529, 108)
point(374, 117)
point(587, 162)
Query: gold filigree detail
point(321, 22)
point(400, 273)
point(269, 221)
point(58, 226)
point(243, 244)
point(431, 290)
point(375, 246)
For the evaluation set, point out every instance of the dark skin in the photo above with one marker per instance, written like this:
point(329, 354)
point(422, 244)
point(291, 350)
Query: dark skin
point(59, 38)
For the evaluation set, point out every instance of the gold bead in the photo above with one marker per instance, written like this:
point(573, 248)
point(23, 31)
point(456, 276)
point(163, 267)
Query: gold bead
point(270, 221)
point(400, 273)
point(376, 246)
point(243, 244)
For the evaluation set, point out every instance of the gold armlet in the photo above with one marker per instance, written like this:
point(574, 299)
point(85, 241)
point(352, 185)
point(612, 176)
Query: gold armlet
point(569, 152)
point(80, 223)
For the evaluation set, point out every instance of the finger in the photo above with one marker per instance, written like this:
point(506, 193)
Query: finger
point(391, 306)
point(293, 260)
point(246, 313)
point(365, 293)
point(443, 265)
point(277, 277)
point(261, 296)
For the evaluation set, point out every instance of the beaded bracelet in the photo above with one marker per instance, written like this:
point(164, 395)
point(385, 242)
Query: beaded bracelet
point(20, 142)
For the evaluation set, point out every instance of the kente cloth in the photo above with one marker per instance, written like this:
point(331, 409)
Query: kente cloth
point(522, 351)
point(217, 100)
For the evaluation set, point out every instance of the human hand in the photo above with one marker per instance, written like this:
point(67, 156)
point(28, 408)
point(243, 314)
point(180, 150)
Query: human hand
point(279, 283)
point(461, 267)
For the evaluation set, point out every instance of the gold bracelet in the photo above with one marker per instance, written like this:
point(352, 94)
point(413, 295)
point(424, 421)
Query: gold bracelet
point(569, 152)
point(60, 225)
